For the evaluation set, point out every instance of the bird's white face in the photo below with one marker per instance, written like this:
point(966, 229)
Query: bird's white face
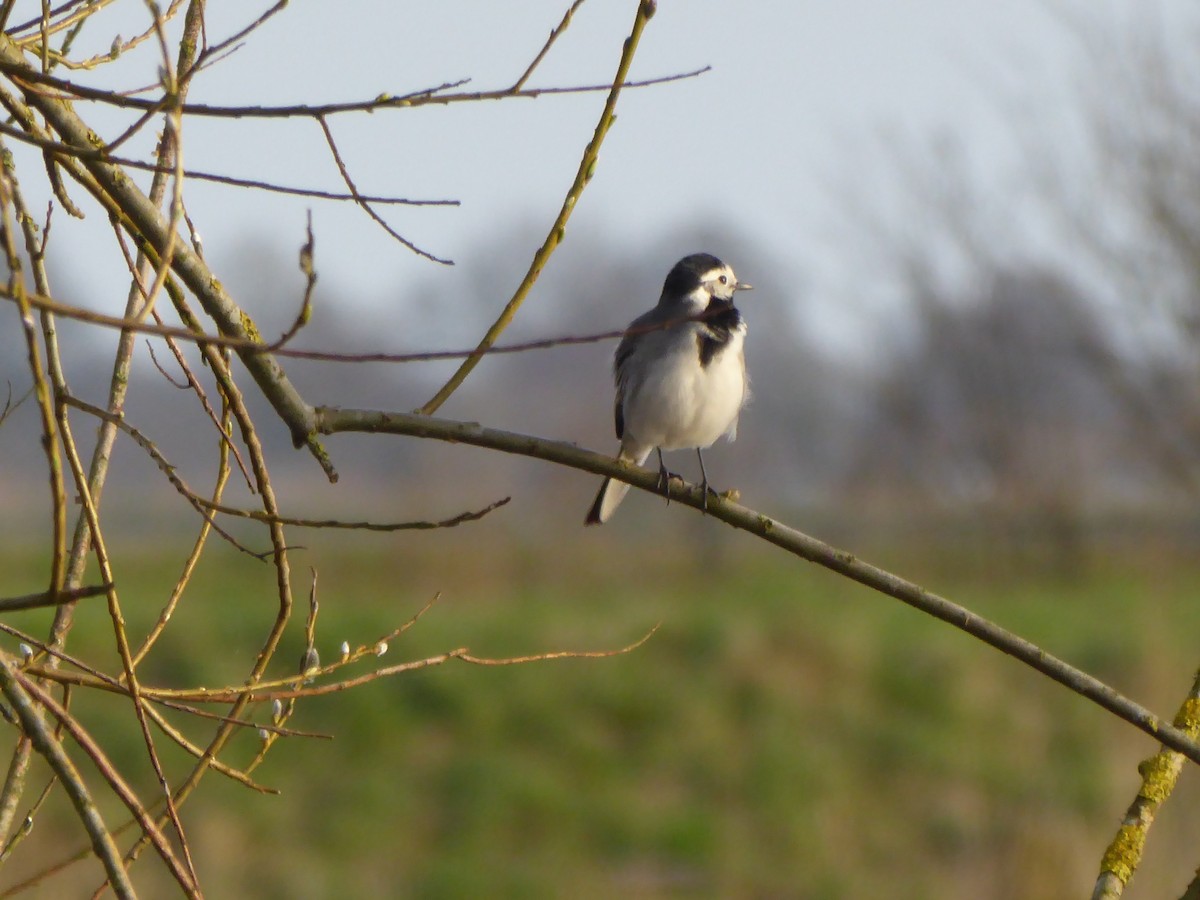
point(720, 283)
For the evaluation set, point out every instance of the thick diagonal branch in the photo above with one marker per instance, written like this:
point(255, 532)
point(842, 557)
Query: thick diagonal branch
point(331, 420)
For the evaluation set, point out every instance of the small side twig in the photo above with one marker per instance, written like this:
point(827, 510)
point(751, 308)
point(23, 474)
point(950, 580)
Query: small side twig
point(52, 598)
point(420, 525)
point(286, 689)
point(308, 270)
point(366, 207)
point(541, 54)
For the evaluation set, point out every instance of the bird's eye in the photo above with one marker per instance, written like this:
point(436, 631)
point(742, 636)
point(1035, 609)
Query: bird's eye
point(724, 279)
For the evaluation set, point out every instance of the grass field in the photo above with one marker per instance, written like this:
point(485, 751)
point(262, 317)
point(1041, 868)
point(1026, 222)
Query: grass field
point(783, 733)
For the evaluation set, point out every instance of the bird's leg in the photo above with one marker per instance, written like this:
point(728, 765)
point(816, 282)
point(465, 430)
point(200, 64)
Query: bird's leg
point(664, 478)
point(704, 488)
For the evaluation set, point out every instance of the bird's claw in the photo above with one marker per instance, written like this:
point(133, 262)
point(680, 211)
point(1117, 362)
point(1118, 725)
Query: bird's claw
point(663, 485)
point(705, 490)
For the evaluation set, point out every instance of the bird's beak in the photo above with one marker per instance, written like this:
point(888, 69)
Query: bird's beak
point(742, 286)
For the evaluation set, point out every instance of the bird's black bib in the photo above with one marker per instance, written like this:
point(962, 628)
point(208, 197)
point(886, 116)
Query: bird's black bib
point(720, 319)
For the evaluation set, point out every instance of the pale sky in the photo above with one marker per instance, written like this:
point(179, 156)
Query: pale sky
point(803, 98)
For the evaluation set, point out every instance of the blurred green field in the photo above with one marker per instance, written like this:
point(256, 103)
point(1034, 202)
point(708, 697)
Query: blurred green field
point(784, 733)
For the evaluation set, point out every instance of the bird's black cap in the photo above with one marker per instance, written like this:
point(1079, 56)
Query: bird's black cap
point(685, 276)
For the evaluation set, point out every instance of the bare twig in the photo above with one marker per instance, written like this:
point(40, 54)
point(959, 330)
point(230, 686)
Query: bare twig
point(107, 771)
point(309, 271)
point(554, 35)
point(27, 823)
point(242, 34)
point(178, 385)
point(51, 598)
point(184, 873)
point(219, 767)
point(587, 167)
point(164, 465)
point(44, 143)
point(283, 689)
point(366, 207)
point(436, 95)
point(10, 405)
point(41, 386)
point(189, 565)
point(49, 304)
point(192, 381)
point(260, 516)
point(88, 9)
point(51, 750)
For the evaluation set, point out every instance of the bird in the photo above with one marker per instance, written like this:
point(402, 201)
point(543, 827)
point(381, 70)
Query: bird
point(680, 373)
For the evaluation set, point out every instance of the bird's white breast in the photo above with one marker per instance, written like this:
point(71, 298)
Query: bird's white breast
point(678, 403)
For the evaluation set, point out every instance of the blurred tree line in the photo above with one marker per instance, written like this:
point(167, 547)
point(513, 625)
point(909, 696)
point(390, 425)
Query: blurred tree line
point(1011, 399)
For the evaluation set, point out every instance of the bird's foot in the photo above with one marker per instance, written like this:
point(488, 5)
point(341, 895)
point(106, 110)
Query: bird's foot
point(664, 482)
point(708, 490)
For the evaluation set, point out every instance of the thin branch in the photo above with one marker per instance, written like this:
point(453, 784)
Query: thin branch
point(192, 381)
point(279, 558)
point(165, 466)
point(92, 677)
point(332, 420)
point(282, 689)
point(189, 565)
point(277, 348)
point(260, 516)
point(366, 207)
point(43, 392)
point(99, 153)
point(556, 654)
point(554, 36)
point(309, 271)
point(5, 12)
point(178, 385)
point(51, 598)
point(238, 36)
point(118, 48)
point(10, 405)
point(51, 750)
point(220, 767)
point(425, 97)
point(184, 873)
point(27, 823)
point(54, 13)
point(14, 783)
point(587, 167)
point(149, 829)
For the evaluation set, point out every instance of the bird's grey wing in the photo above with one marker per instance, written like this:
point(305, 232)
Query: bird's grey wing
point(621, 377)
point(635, 337)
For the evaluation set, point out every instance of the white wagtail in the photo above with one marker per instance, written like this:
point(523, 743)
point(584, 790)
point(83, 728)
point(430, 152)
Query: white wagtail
point(680, 372)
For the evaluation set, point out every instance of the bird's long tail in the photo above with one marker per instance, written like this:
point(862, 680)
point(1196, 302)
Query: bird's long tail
point(611, 492)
